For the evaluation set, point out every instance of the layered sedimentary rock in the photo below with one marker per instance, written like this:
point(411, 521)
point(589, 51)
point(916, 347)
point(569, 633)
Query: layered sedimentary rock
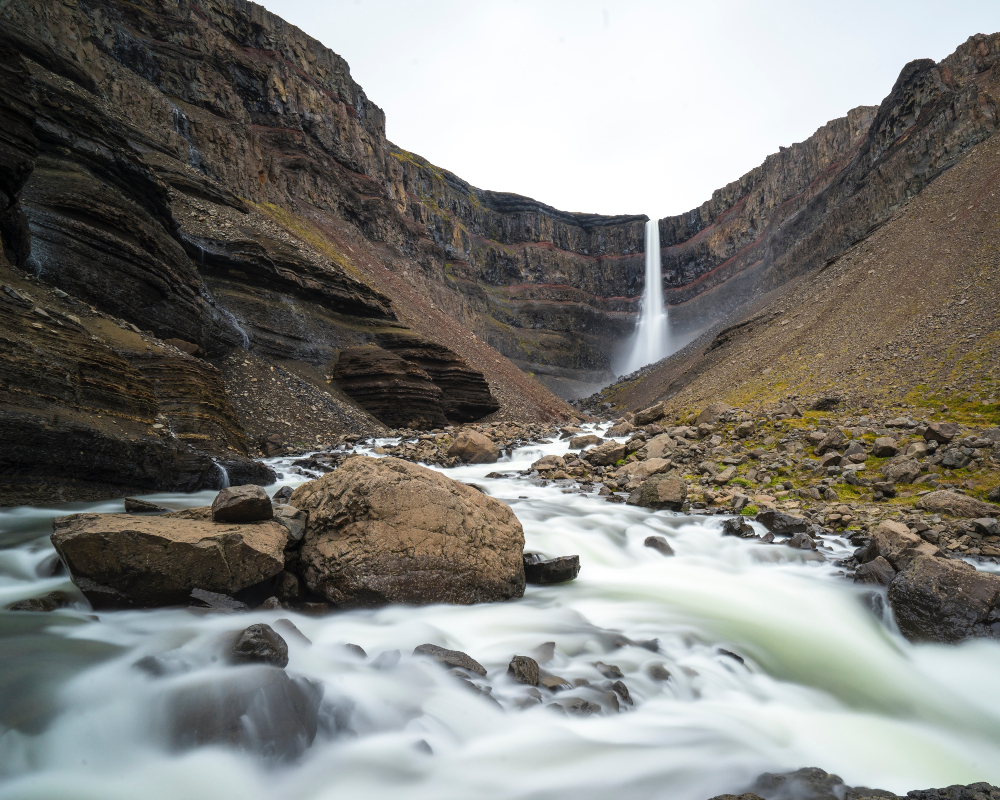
point(465, 395)
point(207, 175)
point(810, 202)
point(400, 393)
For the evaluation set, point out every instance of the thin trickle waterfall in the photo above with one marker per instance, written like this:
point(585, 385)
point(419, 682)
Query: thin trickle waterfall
point(651, 341)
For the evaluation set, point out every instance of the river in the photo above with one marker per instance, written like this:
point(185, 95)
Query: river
point(823, 681)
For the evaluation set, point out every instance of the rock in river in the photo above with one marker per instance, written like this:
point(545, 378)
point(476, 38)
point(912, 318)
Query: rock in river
point(123, 560)
point(945, 600)
point(660, 491)
point(382, 531)
point(473, 448)
point(782, 524)
point(544, 572)
point(260, 644)
point(450, 658)
point(241, 504)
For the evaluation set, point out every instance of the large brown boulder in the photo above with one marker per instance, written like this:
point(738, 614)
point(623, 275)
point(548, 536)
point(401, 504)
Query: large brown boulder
point(660, 492)
point(121, 560)
point(712, 413)
point(242, 504)
point(604, 454)
point(651, 414)
point(945, 600)
point(894, 542)
point(473, 448)
point(660, 446)
point(958, 505)
point(383, 530)
point(902, 470)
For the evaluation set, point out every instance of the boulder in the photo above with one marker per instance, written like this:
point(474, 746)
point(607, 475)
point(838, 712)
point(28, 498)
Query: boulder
point(524, 669)
point(651, 414)
point(725, 476)
point(259, 644)
point(623, 428)
point(580, 442)
point(607, 453)
point(885, 447)
point(957, 505)
point(801, 541)
point(660, 446)
point(744, 429)
point(894, 542)
point(644, 469)
point(738, 526)
point(242, 504)
point(450, 658)
point(942, 432)
point(712, 413)
point(471, 447)
point(994, 495)
point(122, 560)
point(782, 524)
point(282, 495)
point(901, 471)
point(789, 409)
point(547, 463)
point(544, 572)
point(878, 571)
point(834, 440)
point(294, 521)
point(660, 544)
point(945, 600)
point(660, 492)
point(382, 530)
point(133, 505)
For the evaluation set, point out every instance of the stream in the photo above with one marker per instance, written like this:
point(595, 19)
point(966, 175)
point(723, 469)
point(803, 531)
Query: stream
point(820, 680)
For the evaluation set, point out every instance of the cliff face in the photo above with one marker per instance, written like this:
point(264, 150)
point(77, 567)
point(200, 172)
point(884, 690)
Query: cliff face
point(813, 200)
point(207, 174)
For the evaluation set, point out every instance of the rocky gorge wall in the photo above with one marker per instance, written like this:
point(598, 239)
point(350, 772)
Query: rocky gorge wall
point(812, 201)
point(211, 176)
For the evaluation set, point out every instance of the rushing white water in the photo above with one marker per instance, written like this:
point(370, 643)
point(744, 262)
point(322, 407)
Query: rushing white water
point(651, 340)
point(825, 683)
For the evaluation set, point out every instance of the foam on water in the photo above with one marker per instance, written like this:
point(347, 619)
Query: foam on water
point(824, 682)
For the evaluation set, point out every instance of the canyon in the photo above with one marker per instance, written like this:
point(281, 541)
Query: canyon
point(211, 251)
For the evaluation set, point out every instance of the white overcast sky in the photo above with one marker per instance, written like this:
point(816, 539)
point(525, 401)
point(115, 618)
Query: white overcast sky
point(624, 107)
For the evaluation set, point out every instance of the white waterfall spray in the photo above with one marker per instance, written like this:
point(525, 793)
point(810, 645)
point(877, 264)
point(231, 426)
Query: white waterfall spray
point(651, 341)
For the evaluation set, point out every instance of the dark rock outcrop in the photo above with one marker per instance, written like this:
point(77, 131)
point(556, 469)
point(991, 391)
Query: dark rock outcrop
point(942, 600)
point(259, 644)
point(547, 571)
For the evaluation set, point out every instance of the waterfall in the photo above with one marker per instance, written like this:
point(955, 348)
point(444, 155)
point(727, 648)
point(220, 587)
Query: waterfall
point(651, 340)
point(223, 475)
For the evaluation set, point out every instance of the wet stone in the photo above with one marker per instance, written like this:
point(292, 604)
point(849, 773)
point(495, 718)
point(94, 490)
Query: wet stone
point(608, 670)
point(544, 572)
point(259, 644)
point(451, 658)
point(524, 669)
point(660, 544)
